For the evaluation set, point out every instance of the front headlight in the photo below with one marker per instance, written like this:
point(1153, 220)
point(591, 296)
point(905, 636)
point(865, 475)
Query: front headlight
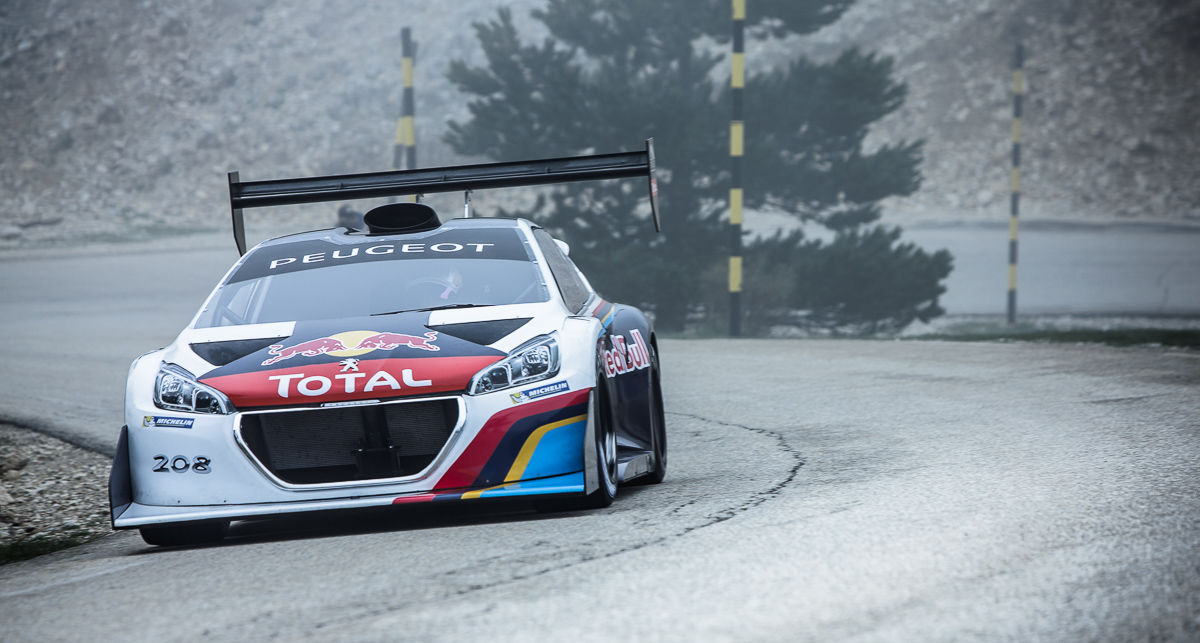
point(176, 390)
point(535, 360)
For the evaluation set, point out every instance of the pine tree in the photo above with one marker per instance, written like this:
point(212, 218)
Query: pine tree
point(807, 157)
point(614, 72)
point(862, 282)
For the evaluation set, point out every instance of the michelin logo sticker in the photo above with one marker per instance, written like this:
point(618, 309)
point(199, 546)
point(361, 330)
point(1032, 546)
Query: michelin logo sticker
point(158, 421)
point(541, 391)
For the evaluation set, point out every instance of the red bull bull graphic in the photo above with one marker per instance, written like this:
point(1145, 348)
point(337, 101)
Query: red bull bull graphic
point(311, 348)
point(388, 341)
point(352, 344)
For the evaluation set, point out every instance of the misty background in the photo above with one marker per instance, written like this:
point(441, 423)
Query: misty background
point(121, 119)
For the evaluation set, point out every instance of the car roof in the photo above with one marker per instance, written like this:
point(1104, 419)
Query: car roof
point(342, 234)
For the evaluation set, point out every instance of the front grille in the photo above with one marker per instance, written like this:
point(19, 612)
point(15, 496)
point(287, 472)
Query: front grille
point(316, 446)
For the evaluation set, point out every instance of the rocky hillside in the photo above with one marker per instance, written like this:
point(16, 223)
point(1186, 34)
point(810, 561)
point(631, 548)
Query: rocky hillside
point(123, 116)
point(1112, 113)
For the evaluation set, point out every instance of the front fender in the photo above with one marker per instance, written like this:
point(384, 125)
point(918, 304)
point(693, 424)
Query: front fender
point(120, 483)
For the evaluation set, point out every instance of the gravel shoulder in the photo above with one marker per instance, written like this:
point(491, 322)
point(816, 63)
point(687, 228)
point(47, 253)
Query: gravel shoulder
point(52, 494)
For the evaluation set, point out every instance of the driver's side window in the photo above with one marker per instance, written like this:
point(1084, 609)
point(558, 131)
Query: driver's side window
point(233, 308)
point(575, 292)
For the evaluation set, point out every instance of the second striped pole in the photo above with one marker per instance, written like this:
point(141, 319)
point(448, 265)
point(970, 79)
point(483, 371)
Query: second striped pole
point(1015, 180)
point(737, 135)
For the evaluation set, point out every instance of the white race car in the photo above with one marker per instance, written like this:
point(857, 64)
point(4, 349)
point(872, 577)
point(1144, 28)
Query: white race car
point(414, 361)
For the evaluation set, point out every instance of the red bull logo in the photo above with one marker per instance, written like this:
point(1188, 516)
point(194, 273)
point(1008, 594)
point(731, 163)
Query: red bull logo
point(626, 357)
point(351, 344)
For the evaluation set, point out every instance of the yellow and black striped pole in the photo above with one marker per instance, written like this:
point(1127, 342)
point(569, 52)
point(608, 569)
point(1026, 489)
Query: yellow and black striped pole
point(405, 154)
point(737, 132)
point(1015, 180)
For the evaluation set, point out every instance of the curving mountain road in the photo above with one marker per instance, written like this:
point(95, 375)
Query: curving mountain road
point(818, 490)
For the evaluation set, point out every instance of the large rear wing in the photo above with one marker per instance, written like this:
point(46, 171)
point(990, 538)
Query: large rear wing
point(259, 194)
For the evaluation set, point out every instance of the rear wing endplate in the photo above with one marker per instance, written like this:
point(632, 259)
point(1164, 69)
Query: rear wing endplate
point(259, 194)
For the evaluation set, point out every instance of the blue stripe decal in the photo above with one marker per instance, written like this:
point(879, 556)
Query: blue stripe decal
point(569, 483)
point(559, 449)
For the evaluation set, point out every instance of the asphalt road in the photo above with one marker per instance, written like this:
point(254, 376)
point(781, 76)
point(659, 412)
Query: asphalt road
point(818, 490)
point(72, 320)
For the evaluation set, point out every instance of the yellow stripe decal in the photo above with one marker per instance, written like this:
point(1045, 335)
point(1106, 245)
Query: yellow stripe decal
point(737, 77)
point(471, 495)
point(1014, 179)
point(1016, 130)
point(1019, 81)
point(531, 444)
point(1012, 276)
point(1012, 228)
point(735, 205)
point(739, 9)
point(735, 274)
point(406, 71)
point(736, 131)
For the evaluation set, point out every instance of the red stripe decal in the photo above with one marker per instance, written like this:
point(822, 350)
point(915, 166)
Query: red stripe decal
point(421, 497)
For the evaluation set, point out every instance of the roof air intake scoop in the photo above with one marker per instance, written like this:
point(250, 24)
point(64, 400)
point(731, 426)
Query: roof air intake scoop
point(401, 218)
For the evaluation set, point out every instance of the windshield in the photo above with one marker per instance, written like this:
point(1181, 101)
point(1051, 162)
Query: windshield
point(386, 284)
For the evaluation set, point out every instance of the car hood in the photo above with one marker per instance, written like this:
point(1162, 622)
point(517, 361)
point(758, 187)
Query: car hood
point(348, 359)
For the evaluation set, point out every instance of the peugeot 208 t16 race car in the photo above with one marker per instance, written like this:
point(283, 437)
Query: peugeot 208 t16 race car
point(414, 361)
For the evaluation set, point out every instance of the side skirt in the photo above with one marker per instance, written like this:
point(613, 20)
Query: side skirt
point(633, 466)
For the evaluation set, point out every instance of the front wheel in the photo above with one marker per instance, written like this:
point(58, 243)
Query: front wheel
point(605, 437)
point(187, 533)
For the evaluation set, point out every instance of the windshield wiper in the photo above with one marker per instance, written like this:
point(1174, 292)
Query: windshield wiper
point(425, 310)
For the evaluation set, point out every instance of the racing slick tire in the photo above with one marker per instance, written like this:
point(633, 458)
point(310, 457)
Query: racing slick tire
point(606, 448)
point(187, 533)
point(658, 425)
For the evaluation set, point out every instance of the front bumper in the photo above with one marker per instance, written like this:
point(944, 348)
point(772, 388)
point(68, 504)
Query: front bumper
point(135, 515)
point(500, 447)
